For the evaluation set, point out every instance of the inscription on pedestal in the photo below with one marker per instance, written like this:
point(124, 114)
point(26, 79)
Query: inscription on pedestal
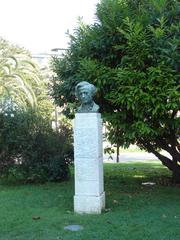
point(89, 184)
point(82, 173)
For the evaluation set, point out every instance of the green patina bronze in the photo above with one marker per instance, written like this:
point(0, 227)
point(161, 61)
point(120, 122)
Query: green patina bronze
point(85, 92)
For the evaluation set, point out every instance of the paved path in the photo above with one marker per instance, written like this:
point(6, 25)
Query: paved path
point(131, 156)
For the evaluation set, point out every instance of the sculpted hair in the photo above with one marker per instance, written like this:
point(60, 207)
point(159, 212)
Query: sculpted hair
point(85, 84)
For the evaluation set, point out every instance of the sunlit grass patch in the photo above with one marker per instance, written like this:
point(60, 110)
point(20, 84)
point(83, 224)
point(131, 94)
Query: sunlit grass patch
point(133, 211)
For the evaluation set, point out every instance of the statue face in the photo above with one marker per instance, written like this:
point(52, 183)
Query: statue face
point(85, 91)
point(85, 96)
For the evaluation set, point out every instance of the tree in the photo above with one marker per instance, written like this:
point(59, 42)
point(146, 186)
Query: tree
point(29, 148)
point(131, 53)
point(21, 83)
point(15, 85)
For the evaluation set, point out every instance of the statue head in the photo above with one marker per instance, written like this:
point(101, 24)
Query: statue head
point(84, 92)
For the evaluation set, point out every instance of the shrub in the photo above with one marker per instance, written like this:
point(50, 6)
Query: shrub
point(30, 150)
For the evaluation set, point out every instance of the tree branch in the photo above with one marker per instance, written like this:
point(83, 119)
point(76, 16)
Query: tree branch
point(165, 160)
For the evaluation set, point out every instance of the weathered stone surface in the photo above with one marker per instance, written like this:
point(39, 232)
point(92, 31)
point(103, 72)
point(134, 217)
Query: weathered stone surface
point(88, 135)
point(89, 184)
point(93, 188)
point(74, 228)
point(89, 204)
point(93, 173)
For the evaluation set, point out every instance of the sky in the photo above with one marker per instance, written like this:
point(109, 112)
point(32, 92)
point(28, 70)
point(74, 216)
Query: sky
point(41, 25)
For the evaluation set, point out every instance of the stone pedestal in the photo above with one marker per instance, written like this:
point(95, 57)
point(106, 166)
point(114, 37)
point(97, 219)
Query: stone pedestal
point(88, 156)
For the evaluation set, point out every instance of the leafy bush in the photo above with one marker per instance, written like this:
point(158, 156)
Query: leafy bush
point(30, 150)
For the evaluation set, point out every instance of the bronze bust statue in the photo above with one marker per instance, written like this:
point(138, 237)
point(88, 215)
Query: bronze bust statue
point(84, 92)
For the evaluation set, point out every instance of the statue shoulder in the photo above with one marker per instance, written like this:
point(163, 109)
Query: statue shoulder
point(95, 108)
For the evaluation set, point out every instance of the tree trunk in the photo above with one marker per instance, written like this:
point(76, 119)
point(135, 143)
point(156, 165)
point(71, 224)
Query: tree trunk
point(56, 118)
point(117, 156)
point(176, 170)
point(171, 164)
point(176, 176)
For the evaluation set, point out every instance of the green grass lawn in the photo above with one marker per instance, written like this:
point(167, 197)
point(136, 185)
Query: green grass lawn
point(133, 211)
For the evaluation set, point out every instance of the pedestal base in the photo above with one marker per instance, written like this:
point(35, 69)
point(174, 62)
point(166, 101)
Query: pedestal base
point(89, 204)
point(89, 184)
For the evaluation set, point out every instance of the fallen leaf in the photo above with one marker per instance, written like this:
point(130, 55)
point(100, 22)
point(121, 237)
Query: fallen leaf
point(68, 211)
point(107, 209)
point(115, 201)
point(109, 222)
point(36, 218)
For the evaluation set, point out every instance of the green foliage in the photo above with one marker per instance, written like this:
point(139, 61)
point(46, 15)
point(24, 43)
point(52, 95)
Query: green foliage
point(29, 149)
point(21, 82)
point(131, 53)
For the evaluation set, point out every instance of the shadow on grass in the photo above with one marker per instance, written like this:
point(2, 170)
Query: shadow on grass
point(136, 173)
point(132, 211)
point(123, 184)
